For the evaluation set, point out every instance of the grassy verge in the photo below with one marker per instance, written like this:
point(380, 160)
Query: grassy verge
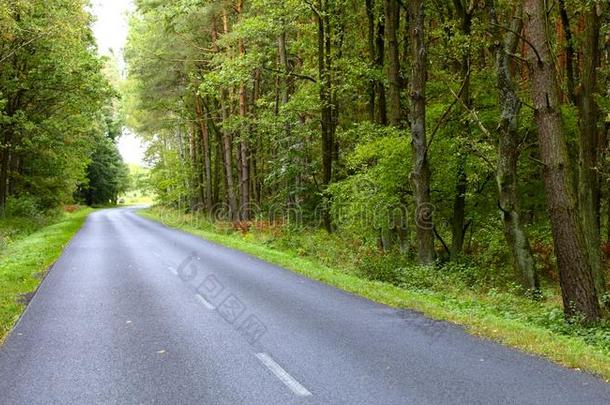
point(24, 260)
point(536, 328)
point(135, 197)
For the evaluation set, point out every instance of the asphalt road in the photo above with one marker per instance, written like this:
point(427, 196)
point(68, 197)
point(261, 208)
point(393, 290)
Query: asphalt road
point(137, 313)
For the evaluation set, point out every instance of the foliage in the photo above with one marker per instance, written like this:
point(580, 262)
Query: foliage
point(256, 107)
point(107, 175)
point(378, 186)
point(54, 99)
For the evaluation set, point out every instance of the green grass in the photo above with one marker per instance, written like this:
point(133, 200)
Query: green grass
point(515, 321)
point(26, 257)
point(135, 198)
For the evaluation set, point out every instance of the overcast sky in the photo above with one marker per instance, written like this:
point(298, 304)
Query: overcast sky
point(110, 30)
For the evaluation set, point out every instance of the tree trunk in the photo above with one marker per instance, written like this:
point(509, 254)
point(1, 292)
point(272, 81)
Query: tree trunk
point(508, 153)
point(370, 14)
point(326, 106)
point(228, 159)
point(569, 50)
point(244, 158)
point(575, 275)
point(382, 113)
point(420, 175)
point(459, 226)
point(205, 152)
point(196, 186)
point(392, 19)
point(4, 164)
point(588, 178)
point(218, 170)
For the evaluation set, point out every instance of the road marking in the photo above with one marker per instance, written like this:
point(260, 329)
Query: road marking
point(282, 375)
point(156, 254)
point(205, 302)
point(173, 270)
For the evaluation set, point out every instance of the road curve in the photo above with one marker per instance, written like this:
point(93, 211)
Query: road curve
point(137, 313)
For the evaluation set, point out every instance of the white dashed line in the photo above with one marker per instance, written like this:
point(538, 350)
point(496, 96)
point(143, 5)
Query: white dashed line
point(282, 375)
point(173, 270)
point(205, 302)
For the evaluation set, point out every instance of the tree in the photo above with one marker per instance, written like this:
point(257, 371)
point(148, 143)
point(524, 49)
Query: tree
point(107, 175)
point(52, 99)
point(420, 175)
point(392, 21)
point(575, 275)
point(508, 150)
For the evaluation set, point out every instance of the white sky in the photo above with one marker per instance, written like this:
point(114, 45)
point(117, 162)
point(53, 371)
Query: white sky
point(110, 31)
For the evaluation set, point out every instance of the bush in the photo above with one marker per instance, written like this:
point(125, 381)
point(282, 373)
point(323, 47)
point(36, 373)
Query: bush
point(22, 216)
point(389, 268)
point(553, 319)
point(24, 206)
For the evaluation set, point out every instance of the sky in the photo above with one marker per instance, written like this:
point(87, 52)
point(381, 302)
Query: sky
point(110, 31)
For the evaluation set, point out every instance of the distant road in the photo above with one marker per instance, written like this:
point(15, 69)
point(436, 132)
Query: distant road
point(137, 313)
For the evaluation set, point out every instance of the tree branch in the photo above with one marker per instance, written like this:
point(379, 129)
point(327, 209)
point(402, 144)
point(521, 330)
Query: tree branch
point(523, 39)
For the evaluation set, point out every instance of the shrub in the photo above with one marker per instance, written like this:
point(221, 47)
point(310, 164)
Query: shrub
point(386, 267)
point(24, 206)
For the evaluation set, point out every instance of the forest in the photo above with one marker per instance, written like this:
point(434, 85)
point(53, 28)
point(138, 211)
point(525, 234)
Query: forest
point(59, 115)
point(463, 134)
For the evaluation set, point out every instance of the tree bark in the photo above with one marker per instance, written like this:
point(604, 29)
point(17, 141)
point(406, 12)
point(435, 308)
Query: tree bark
point(370, 15)
point(458, 222)
point(326, 117)
point(392, 20)
point(420, 175)
point(575, 275)
point(228, 159)
point(508, 153)
point(205, 152)
point(4, 164)
point(588, 178)
point(569, 51)
point(382, 113)
point(196, 185)
point(244, 157)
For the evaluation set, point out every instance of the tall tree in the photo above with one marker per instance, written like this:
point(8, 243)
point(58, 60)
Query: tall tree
point(508, 149)
point(465, 11)
point(392, 20)
point(420, 175)
point(575, 275)
point(589, 141)
point(327, 109)
point(53, 99)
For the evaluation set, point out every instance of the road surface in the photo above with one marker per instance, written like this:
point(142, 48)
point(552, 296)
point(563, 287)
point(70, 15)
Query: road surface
point(138, 313)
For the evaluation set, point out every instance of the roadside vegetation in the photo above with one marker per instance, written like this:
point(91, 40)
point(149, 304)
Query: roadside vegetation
point(59, 108)
point(31, 242)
